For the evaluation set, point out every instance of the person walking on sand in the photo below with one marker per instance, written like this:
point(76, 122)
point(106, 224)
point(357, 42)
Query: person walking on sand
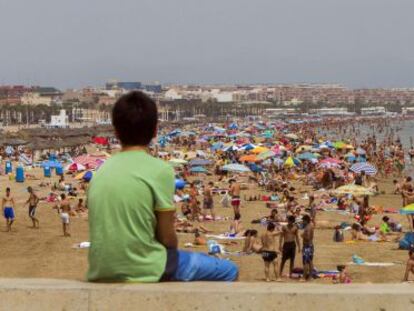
point(33, 201)
point(64, 209)
point(8, 209)
point(269, 253)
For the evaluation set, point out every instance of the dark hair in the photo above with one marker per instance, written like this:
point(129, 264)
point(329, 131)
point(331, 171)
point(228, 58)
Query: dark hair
point(385, 218)
point(340, 268)
point(135, 118)
point(8, 189)
point(306, 218)
point(409, 178)
point(63, 196)
point(291, 219)
point(271, 226)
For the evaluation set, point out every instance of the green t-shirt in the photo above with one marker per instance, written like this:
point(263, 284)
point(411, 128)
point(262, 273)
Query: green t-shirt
point(122, 199)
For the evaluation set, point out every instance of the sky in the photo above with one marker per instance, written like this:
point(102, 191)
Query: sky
point(70, 44)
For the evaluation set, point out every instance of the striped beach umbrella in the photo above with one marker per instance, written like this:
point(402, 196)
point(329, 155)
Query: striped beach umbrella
point(368, 168)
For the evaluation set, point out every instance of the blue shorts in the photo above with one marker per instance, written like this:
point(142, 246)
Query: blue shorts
point(193, 266)
point(9, 213)
point(307, 254)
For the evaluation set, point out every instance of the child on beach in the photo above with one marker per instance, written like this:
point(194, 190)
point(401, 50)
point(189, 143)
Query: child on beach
point(269, 253)
point(343, 277)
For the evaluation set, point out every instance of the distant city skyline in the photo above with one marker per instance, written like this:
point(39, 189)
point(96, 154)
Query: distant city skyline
point(71, 44)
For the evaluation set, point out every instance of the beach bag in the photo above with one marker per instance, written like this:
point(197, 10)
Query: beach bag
point(407, 242)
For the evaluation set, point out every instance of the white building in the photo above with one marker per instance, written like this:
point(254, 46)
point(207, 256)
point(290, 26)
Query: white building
point(223, 97)
point(60, 121)
point(172, 94)
point(331, 112)
point(376, 110)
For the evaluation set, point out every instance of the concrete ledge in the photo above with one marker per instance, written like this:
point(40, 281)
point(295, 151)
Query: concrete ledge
point(50, 294)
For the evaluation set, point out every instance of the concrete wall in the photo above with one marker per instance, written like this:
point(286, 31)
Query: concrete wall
point(44, 294)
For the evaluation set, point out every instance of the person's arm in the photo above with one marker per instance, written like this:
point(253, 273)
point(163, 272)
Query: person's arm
point(165, 231)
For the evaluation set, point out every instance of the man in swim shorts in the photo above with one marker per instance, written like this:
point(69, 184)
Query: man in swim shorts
point(208, 202)
point(33, 201)
point(269, 253)
point(8, 209)
point(234, 191)
point(308, 248)
point(287, 244)
point(64, 210)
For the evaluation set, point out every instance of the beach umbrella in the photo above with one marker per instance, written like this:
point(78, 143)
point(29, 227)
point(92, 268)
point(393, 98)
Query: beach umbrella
point(259, 149)
point(198, 169)
point(331, 161)
point(368, 168)
point(361, 151)
point(265, 155)
point(289, 162)
point(408, 210)
point(303, 148)
point(307, 156)
point(178, 161)
point(75, 167)
point(355, 190)
point(339, 145)
point(248, 147)
point(292, 136)
point(217, 146)
point(200, 162)
point(248, 158)
point(238, 168)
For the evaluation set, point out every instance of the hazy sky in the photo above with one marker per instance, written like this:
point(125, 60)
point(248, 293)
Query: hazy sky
point(72, 43)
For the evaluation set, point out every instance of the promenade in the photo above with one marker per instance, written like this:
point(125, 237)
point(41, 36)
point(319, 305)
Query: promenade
point(52, 294)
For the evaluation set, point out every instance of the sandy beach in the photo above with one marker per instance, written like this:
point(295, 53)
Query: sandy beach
point(45, 253)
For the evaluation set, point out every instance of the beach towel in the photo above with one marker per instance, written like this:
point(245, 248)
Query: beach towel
point(225, 237)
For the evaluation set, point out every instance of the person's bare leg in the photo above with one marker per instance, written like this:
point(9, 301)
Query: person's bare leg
point(291, 266)
point(267, 265)
point(282, 265)
point(275, 270)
